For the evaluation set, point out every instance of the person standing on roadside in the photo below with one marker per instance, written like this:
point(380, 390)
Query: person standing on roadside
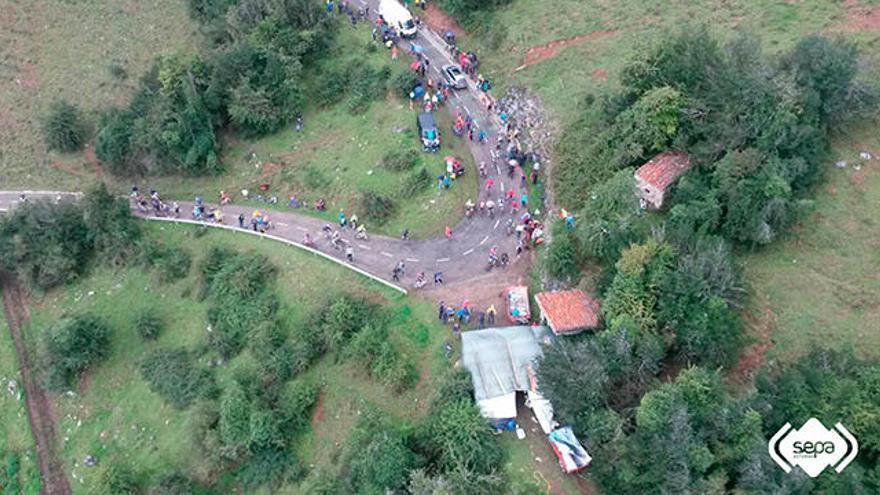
point(448, 232)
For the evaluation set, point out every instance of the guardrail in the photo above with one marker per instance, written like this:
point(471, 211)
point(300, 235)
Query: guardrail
point(285, 241)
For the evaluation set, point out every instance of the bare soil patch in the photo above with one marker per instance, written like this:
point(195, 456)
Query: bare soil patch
point(437, 20)
point(752, 356)
point(861, 18)
point(319, 410)
point(38, 401)
point(548, 50)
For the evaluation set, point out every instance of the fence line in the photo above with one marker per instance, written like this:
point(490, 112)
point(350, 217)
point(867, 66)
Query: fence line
point(285, 241)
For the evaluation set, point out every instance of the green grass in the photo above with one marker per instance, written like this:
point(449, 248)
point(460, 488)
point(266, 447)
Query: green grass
point(115, 417)
point(64, 49)
point(336, 158)
point(821, 285)
point(563, 80)
point(15, 430)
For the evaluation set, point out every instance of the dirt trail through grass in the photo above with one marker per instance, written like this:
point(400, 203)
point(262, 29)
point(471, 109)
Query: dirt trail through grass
point(39, 406)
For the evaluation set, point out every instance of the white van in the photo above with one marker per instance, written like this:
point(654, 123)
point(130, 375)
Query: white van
point(398, 18)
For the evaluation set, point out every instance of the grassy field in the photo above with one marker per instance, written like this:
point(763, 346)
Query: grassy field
point(614, 30)
point(61, 49)
point(336, 158)
point(115, 417)
point(821, 284)
point(15, 431)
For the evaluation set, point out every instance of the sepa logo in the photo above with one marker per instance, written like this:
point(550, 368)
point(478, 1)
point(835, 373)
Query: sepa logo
point(813, 447)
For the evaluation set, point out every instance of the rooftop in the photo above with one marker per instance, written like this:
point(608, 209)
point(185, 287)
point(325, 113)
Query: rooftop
point(568, 311)
point(664, 168)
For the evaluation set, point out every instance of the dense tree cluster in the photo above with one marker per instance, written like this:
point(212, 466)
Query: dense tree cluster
point(451, 450)
point(757, 132)
point(249, 80)
point(692, 435)
point(72, 345)
point(49, 244)
point(64, 128)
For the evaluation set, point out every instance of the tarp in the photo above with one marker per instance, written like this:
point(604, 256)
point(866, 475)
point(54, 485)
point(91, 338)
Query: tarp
point(542, 410)
point(498, 360)
point(501, 407)
point(571, 454)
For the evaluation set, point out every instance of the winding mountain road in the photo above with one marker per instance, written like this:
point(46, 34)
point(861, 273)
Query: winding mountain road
point(463, 257)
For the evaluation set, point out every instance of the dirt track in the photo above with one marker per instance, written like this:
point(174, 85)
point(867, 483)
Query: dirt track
point(39, 405)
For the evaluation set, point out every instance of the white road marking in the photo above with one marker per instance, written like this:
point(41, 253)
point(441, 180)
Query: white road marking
point(302, 228)
point(484, 240)
point(496, 224)
point(281, 224)
point(441, 260)
point(387, 255)
point(364, 247)
point(413, 260)
point(469, 251)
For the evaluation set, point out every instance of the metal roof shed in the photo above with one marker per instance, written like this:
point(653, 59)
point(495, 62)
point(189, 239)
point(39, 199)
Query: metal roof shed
point(498, 360)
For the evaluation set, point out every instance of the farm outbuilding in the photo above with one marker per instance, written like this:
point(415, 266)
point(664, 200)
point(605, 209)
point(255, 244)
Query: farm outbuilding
point(654, 177)
point(567, 312)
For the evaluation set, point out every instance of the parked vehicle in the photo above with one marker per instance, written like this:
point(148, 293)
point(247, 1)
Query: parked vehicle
point(398, 18)
point(428, 132)
point(454, 76)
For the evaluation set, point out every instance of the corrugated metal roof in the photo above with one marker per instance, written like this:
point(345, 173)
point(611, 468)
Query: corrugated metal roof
point(498, 358)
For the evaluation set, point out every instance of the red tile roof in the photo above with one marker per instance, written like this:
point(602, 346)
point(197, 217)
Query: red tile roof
point(664, 168)
point(568, 311)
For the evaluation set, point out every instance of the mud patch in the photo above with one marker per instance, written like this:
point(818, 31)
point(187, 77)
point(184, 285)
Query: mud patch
point(438, 21)
point(548, 50)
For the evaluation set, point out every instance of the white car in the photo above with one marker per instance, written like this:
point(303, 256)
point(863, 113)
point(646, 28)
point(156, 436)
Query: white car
point(454, 76)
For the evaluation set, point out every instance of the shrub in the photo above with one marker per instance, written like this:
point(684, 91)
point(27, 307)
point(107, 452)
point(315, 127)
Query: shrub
point(9, 477)
point(332, 88)
point(562, 256)
point(384, 464)
point(400, 159)
point(117, 479)
point(72, 345)
point(113, 140)
point(367, 84)
point(269, 466)
point(170, 263)
point(457, 437)
point(148, 324)
point(344, 318)
point(377, 207)
point(403, 83)
point(45, 244)
point(64, 128)
point(171, 374)
point(113, 232)
point(233, 425)
point(173, 264)
point(415, 183)
point(297, 400)
point(173, 483)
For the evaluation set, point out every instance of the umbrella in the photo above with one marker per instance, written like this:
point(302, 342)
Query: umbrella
point(414, 66)
point(416, 48)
